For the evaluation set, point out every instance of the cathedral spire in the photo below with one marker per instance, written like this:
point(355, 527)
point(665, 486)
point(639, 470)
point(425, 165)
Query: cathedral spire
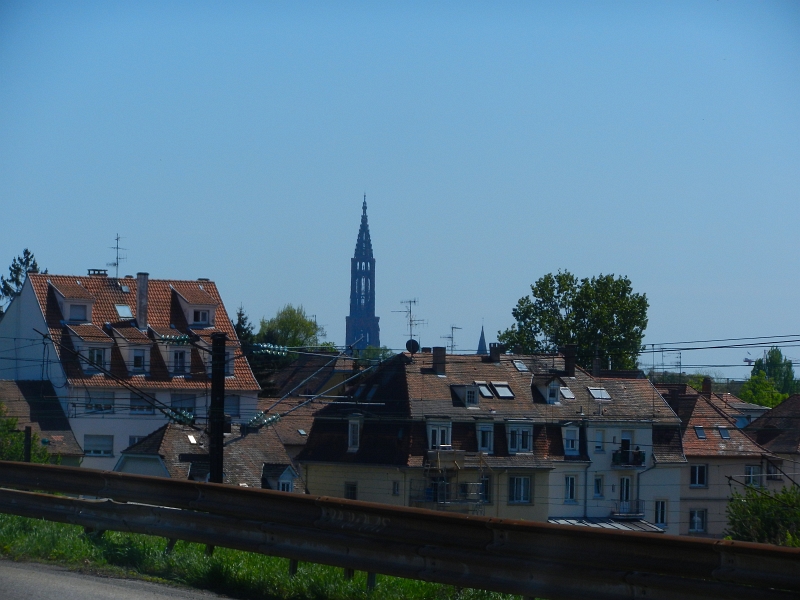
point(362, 324)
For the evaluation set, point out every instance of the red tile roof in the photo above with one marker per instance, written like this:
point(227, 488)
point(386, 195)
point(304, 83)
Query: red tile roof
point(779, 429)
point(165, 317)
point(72, 289)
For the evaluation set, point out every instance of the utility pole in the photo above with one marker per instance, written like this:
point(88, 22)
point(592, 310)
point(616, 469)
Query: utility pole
point(216, 413)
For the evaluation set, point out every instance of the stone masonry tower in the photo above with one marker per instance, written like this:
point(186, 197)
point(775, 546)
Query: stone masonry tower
point(362, 324)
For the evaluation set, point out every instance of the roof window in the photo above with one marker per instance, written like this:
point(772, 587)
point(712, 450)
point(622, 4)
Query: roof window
point(521, 366)
point(567, 393)
point(124, 311)
point(700, 432)
point(483, 388)
point(502, 389)
point(302, 432)
point(724, 433)
point(372, 392)
point(599, 393)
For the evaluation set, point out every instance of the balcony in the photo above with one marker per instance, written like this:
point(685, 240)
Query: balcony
point(445, 458)
point(628, 509)
point(628, 458)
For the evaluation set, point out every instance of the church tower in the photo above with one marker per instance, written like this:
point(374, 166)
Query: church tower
point(362, 324)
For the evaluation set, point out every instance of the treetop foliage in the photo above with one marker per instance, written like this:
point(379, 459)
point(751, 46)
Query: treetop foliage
point(17, 274)
point(779, 370)
point(290, 327)
point(763, 516)
point(601, 315)
point(760, 389)
point(12, 441)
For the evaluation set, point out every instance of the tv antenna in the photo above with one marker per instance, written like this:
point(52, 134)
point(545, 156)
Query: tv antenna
point(410, 316)
point(452, 338)
point(118, 258)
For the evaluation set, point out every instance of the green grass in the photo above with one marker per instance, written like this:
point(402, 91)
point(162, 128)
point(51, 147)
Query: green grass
point(236, 574)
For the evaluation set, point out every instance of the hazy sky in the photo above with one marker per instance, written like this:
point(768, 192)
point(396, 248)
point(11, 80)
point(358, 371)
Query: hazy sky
point(496, 142)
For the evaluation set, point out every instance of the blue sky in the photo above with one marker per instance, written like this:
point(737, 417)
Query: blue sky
point(496, 142)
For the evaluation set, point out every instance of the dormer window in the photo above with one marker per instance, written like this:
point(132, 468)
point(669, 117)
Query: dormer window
point(486, 438)
point(139, 364)
point(179, 361)
point(201, 317)
point(471, 396)
point(77, 312)
point(439, 435)
point(571, 441)
point(520, 438)
point(552, 392)
point(97, 359)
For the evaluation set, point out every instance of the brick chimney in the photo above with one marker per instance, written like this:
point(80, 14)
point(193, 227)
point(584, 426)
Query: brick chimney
point(494, 352)
point(141, 300)
point(439, 359)
point(707, 387)
point(570, 352)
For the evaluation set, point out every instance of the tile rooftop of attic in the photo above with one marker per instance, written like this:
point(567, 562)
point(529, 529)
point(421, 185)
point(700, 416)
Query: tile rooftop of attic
point(779, 429)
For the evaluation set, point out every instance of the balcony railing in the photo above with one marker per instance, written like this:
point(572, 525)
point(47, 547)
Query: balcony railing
point(628, 509)
point(628, 458)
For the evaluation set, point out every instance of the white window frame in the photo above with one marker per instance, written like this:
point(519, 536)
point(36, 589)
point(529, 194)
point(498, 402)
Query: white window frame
point(569, 489)
point(92, 356)
point(503, 390)
point(698, 520)
point(599, 486)
point(201, 316)
point(520, 438)
point(486, 437)
point(139, 353)
point(773, 472)
point(698, 476)
point(599, 441)
point(179, 366)
point(439, 435)
point(99, 402)
point(660, 512)
point(74, 309)
point(98, 445)
point(471, 396)
point(135, 439)
point(553, 392)
point(753, 475)
point(519, 489)
point(571, 441)
point(354, 434)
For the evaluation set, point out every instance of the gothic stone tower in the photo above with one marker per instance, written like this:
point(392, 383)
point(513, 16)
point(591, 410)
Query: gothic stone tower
point(362, 322)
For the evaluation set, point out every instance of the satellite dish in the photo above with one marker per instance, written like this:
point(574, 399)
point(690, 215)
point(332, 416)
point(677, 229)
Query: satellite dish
point(412, 346)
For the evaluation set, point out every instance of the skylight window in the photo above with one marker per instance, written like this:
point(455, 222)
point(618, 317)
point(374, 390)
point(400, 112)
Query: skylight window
point(502, 389)
point(724, 433)
point(372, 392)
point(521, 366)
point(567, 393)
point(599, 393)
point(483, 388)
point(700, 432)
point(124, 311)
point(302, 432)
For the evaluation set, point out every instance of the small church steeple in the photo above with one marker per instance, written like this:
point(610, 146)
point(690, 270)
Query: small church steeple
point(362, 324)
point(482, 344)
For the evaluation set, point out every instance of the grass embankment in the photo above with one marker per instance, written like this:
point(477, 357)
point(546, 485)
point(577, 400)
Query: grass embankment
point(231, 572)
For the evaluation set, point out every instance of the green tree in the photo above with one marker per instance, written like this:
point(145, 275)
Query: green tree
point(17, 274)
point(760, 389)
point(243, 327)
point(600, 315)
point(371, 355)
point(767, 517)
point(290, 327)
point(12, 441)
point(778, 369)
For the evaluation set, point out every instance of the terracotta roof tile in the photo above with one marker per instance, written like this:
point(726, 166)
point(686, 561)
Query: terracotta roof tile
point(71, 289)
point(779, 429)
point(194, 292)
point(90, 333)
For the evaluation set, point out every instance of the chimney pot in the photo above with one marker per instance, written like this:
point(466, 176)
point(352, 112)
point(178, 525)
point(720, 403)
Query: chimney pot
point(707, 386)
point(141, 300)
point(494, 352)
point(570, 352)
point(439, 359)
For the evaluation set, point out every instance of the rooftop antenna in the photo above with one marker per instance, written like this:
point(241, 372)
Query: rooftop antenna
point(118, 258)
point(452, 338)
point(410, 316)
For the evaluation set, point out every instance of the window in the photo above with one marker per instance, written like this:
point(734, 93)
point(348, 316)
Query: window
point(661, 512)
point(598, 486)
point(698, 476)
point(232, 405)
point(567, 393)
point(138, 360)
point(140, 405)
point(519, 490)
point(353, 434)
point(286, 485)
point(569, 488)
point(97, 359)
point(724, 433)
point(124, 311)
point(571, 441)
point(201, 317)
point(599, 440)
point(98, 445)
point(77, 312)
point(185, 402)
point(372, 391)
point(135, 439)
point(486, 489)
point(486, 438)
point(100, 402)
point(520, 438)
point(700, 432)
point(351, 490)
point(438, 435)
point(697, 520)
point(624, 490)
point(395, 488)
point(471, 396)
point(752, 475)
point(502, 389)
point(599, 393)
point(521, 366)
point(552, 392)
point(773, 472)
point(484, 390)
point(228, 364)
point(179, 361)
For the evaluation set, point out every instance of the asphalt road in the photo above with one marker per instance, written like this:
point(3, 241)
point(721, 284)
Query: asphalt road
point(34, 581)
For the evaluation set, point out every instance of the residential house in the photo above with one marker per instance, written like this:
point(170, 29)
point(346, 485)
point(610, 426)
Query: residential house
point(121, 353)
point(779, 432)
point(250, 458)
point(721, 457)
point(512, 436)
point(35, 404)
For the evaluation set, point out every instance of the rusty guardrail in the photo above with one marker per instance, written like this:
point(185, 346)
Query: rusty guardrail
point(519, 557)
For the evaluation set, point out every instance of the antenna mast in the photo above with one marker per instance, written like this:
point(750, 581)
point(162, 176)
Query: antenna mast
point(452, 338)
point(410, 316)
point(118, 258)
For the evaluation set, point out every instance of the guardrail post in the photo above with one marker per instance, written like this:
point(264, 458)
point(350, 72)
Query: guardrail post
point(370, 581)
point(292, 567)
point(170, 545)
point(27, 446)
point(348, 573)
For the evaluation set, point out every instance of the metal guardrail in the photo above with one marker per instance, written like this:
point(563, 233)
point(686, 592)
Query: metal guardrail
point(518, 557)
